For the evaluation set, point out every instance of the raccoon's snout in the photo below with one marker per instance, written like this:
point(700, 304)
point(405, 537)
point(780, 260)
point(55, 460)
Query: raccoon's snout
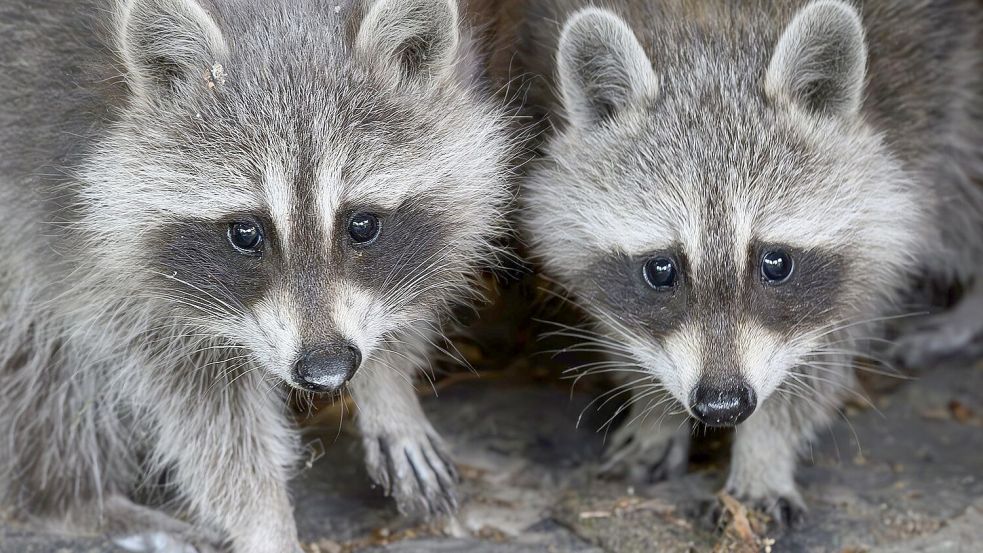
point(723, 406)
point(327, 369)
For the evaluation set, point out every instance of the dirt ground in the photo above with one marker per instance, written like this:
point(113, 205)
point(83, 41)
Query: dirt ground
point(904, 477)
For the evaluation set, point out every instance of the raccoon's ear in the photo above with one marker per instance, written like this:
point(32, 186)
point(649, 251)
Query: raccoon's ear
point(601, 67)
point(413, 38)
point(820, 61)
point(166, 44)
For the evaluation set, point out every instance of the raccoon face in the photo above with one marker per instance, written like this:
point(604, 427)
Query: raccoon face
point(723, 218)
point(304, 182)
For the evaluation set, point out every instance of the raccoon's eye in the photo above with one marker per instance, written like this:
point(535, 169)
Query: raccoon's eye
point(660, 273)
point(246, 237)
point(776, 266)
point(364, 228)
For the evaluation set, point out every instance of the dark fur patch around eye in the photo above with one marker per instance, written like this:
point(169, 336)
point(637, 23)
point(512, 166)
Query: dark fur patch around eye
point(717, 298)
point(809, 297)
point(409, 246)
point(403, 262)
point(200, 270)
point(614, 284)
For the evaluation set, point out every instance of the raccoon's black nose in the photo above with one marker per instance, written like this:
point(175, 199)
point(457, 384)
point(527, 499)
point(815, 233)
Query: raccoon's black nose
point(327, 369)
point(723, 405)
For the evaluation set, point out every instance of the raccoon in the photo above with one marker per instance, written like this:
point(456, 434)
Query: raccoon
point(734, 190)
point(209, 205)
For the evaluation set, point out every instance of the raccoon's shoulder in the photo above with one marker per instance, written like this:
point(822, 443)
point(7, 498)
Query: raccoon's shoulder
point(925, 65)
point(59, 80)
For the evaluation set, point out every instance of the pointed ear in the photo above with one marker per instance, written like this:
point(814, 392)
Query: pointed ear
point(166, 44)
point(601, 66)
point(418, 39)
point(820, 61)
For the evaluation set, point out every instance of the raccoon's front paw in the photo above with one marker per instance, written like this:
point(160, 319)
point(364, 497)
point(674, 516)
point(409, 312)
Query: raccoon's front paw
point(785, 511)
point(162, 542)
point(646, 456)
point(415, 469)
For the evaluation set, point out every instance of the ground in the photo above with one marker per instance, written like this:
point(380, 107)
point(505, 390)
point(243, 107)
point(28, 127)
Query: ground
point(903, 476)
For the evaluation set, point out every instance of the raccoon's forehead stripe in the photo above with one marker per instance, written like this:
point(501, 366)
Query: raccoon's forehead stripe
point(330, 194)
point(315, 197)
point(279, 197)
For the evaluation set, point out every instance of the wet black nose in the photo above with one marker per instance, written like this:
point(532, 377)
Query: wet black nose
point(723, 406)
point(326, 369)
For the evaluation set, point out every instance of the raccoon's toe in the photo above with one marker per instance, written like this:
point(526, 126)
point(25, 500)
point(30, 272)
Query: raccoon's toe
point(783, 511)
point(417, 473)
point(786, 512)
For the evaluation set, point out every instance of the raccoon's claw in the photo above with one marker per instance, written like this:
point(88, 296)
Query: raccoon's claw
point(784, 512)
point(646, 457)
point(416, 471)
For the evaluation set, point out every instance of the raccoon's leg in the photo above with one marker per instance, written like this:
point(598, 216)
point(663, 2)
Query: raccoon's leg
point(403, 452)
point(647, 450)
point(763, 461)
point(229, 448)
point(958, 331)
point(768, 444)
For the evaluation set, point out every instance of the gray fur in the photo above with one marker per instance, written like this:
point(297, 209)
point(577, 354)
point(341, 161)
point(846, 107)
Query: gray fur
point(820, 61)
point(602, 68)
point(848, 138)
point(137, 348)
